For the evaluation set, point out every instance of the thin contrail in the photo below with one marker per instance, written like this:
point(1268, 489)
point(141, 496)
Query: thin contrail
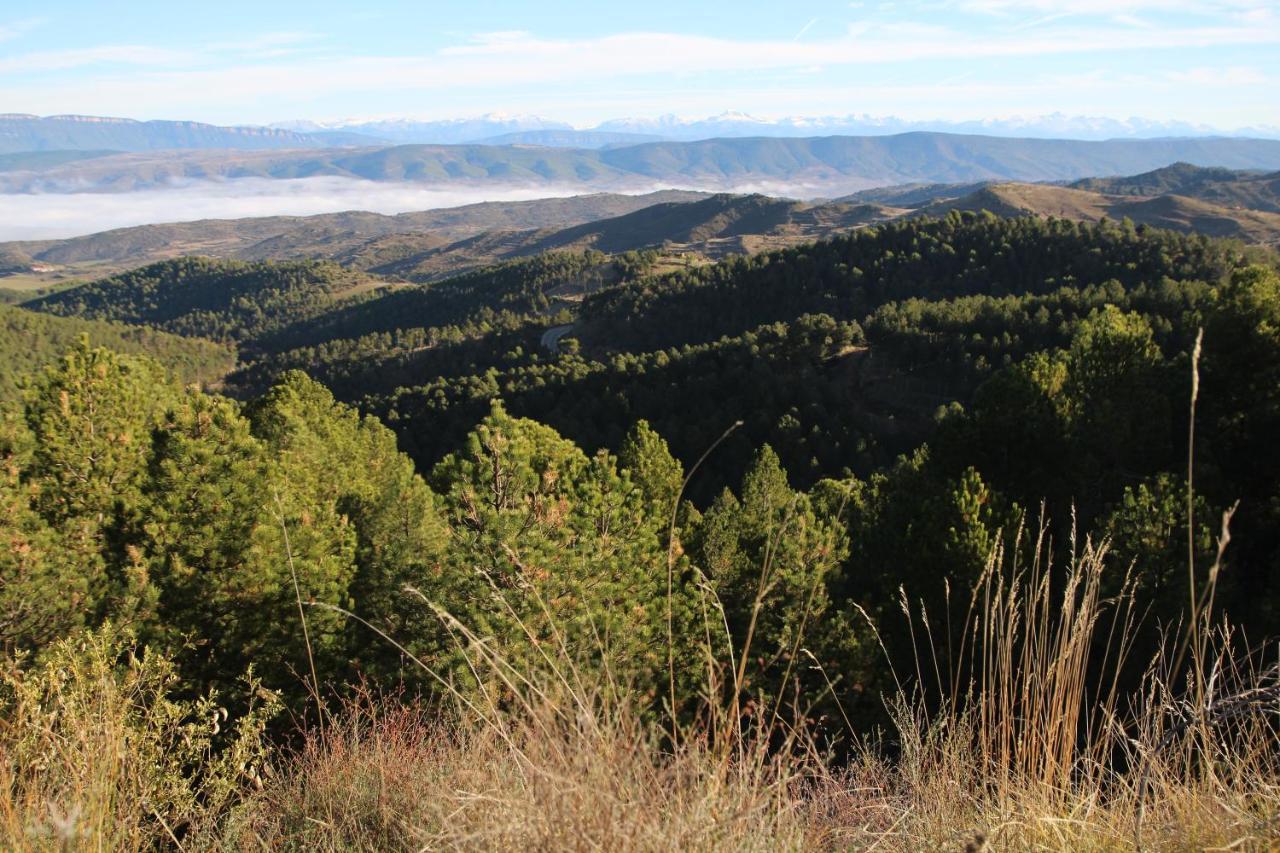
point(804, 29)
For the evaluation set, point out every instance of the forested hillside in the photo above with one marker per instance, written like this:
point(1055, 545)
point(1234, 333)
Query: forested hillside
point(30, 341)
point(728, 492)
point(223, 300)
point(840, 355)
point(849, 277)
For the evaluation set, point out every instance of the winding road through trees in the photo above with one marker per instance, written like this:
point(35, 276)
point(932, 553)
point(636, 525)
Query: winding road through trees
point(551, 337)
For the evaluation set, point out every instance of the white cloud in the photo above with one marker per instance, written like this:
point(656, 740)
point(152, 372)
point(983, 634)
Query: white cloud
point(496, 62)
point(260, 46)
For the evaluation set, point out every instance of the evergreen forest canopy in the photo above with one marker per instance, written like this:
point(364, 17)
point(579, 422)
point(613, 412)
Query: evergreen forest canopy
point(910, 396)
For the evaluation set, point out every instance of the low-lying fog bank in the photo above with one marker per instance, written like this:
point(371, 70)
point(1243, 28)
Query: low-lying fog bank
point(43, 216)
point(47, 216)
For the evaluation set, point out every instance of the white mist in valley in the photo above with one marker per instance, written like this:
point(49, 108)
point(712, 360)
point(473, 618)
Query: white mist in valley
point(46, 216)
point(56, 215)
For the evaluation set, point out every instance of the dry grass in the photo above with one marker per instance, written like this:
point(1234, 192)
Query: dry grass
point(546, 781)
point(1021, 740)
point(1024, 741)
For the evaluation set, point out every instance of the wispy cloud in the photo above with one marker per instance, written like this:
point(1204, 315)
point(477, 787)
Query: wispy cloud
point(498, 68)
point(648, 52)
point(1207, 8)
point(1217, 76)
point(265, 44)
point(14, 29)
point(119, 54)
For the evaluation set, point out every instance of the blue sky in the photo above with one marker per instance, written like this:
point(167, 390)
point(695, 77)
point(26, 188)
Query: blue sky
point(1214, 62)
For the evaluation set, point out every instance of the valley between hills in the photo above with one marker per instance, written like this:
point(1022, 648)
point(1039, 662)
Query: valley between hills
point(688, 227)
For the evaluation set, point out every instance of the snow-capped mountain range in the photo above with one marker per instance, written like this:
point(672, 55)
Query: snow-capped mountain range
point(514, 128)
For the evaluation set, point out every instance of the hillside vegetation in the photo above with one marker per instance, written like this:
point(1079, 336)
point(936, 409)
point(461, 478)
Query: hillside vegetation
point(899, 539)
point(202, 297)
point(1195, 199)
point(30, 341)
point(1224, 187)
point(1180, 213)
point(357, 239)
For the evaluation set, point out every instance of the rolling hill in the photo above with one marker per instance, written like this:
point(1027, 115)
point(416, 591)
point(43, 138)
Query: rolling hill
point(336, 235)
point(1225, 187)
point(435, 244)
point(1176, 212)
point(709, 228)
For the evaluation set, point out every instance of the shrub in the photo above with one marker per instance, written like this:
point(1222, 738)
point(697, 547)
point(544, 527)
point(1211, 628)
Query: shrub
point(96, 754)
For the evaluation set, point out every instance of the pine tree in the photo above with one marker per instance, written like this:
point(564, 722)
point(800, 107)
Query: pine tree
point(90, 418)
point(770, 555)
point(549, 548)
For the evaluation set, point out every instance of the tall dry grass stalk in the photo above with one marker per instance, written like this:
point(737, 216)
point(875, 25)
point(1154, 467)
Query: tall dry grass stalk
point(1031, 739)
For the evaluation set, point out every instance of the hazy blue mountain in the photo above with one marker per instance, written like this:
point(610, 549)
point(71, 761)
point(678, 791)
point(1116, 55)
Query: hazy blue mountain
point(444, 132)
point(808, 167)
point(1054, 126)
point(571, 138)
point(23, 133)
point(22, 161)
point(737, 124)
point(927, 157)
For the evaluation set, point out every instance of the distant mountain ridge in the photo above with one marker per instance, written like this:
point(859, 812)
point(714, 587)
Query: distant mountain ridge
point(813, 166)
point(20, 132)
point(570, 138)
point(439, 132)
point(737, 124)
